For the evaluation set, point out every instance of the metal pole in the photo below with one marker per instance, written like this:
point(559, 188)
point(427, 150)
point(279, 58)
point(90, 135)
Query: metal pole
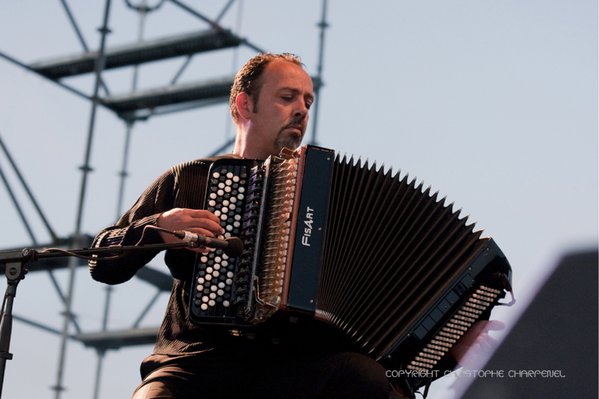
point(143, 10)
point(123, 173)
point(67, 9)
point(30, 231)
point(58, 388)
point(99, 364)
point(322, 25)
point(29, 194)
point(214, 25)
point(58, 82)
point(102, 352)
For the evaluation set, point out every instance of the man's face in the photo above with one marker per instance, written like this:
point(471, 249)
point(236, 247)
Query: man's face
point(279, 115)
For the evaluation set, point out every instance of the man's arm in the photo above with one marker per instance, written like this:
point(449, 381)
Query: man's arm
point(167, 203)
point(130, 230)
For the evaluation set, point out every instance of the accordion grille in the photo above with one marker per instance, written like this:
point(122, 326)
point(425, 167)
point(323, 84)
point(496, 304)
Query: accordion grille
point(374, 295)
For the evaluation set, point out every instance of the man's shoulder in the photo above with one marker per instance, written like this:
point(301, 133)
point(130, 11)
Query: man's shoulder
point(202, 162)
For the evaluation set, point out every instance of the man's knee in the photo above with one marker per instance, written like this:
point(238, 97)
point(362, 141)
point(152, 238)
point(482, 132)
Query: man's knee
point(154, 390)
point(358, 376)
point(359, 366)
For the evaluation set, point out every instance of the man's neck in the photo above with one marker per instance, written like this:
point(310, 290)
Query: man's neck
point(245, 150)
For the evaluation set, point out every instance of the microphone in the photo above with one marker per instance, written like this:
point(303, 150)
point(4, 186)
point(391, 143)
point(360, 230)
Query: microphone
point(232, 246)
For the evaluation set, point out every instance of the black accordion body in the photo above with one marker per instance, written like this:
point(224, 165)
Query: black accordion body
point(371, 254)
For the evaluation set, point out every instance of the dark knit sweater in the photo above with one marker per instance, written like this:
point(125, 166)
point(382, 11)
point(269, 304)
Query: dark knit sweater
point(183, 186)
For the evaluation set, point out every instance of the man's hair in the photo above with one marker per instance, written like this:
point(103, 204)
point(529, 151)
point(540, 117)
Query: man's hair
point(247, 79)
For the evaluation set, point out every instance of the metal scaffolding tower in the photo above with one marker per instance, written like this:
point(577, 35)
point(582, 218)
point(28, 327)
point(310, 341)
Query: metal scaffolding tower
point(131, 107)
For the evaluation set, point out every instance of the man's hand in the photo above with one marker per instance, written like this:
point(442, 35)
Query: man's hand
point(477, 340)
point(197, 221)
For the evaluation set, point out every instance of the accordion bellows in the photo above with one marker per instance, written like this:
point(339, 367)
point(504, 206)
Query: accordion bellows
point(368, 252)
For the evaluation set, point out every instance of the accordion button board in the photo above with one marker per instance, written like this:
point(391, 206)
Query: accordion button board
point(216, 274)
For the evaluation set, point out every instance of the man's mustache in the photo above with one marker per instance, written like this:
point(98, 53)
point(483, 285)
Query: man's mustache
point(296, 123)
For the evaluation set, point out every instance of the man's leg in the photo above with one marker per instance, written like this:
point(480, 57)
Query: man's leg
point(344, 375)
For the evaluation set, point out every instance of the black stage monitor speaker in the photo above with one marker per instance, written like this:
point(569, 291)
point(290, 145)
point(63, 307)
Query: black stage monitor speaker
point(552, 350)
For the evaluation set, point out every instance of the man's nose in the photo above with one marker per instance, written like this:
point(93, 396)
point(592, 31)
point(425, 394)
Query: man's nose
point(301, 110)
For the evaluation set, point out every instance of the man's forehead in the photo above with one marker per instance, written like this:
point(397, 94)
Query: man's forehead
point(285, 74)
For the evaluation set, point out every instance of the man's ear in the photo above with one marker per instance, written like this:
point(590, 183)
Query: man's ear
point(244, 105)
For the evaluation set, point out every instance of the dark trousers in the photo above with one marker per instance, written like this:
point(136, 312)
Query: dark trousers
point(264, 373)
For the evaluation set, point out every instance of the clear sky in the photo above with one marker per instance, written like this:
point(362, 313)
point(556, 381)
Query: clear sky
point(491, 102)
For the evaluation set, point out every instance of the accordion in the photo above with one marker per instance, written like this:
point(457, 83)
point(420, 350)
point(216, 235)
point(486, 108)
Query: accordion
point(369, 253)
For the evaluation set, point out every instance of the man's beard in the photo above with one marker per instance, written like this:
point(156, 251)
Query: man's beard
point(291, 141)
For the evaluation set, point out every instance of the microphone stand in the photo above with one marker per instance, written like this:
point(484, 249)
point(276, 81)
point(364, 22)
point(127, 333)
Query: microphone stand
point(14, 263)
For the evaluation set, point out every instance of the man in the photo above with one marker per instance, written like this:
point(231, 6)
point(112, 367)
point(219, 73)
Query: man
point(270, 99)
point(270, 113)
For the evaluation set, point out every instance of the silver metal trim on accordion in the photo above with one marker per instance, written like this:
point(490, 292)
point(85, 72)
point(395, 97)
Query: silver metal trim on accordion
point(370, 253)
